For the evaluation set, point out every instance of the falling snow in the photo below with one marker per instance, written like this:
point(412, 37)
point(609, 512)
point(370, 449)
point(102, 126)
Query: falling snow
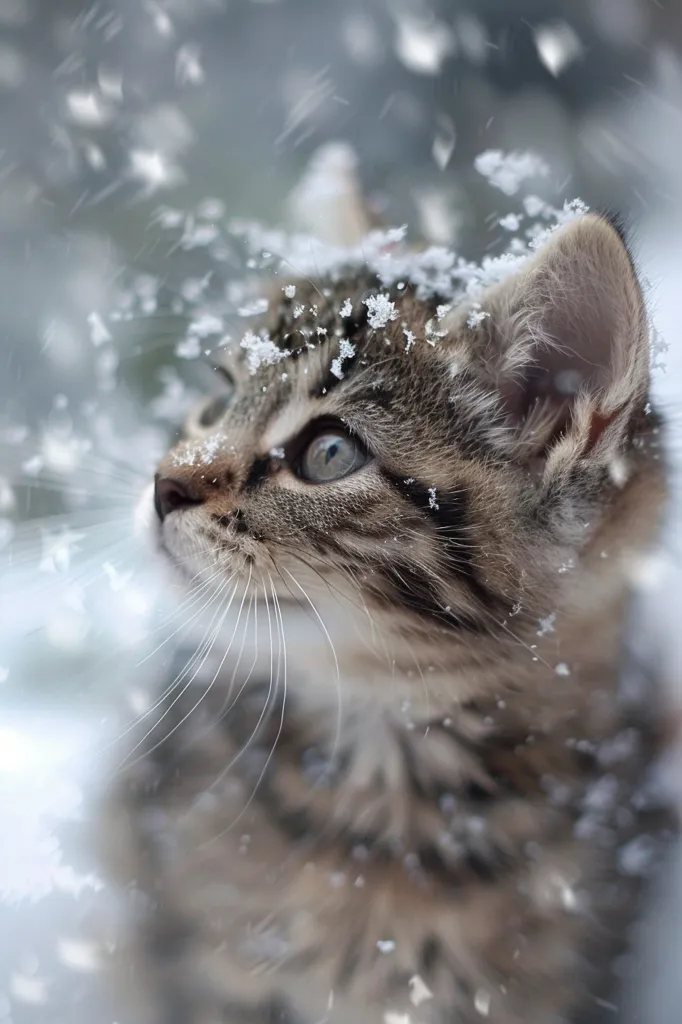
point(507, 171)
point(558, 46)
point(99, 333)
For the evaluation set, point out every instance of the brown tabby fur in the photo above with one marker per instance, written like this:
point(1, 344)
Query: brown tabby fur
point(442, 782)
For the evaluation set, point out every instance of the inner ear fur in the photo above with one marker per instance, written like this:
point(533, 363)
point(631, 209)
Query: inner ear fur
point(566, 341)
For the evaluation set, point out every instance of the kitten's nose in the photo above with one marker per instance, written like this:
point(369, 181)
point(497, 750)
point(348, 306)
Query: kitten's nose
point(172, 495)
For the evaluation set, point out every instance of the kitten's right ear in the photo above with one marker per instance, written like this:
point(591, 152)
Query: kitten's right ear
point(328, 202)
point(567, 344)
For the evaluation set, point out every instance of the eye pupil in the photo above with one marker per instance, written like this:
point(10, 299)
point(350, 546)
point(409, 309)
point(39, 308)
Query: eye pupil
point(331, 455)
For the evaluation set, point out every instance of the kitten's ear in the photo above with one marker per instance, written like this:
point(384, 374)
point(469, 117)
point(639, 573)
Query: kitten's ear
point(568, 344)
point(328, 202)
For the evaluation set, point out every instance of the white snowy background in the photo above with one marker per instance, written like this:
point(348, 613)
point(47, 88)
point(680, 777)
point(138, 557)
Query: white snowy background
point(133, 134)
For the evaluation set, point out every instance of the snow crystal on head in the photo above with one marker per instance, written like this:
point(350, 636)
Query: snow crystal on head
point(380, 311)
point(434, 271)
point(200, 453)
point(346, 351)
point(261, 351)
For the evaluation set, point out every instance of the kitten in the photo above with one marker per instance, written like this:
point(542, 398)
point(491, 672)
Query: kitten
point(412, 790)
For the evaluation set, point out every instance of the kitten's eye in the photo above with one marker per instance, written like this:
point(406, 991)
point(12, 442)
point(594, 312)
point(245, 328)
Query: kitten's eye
point(330, 456)
point(216, 408)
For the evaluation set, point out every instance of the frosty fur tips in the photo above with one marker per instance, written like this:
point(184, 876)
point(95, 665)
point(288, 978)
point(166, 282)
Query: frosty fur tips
point(314, 247)
point(431, 271)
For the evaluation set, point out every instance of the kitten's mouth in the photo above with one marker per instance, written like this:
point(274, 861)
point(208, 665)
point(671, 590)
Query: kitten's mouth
point(148, 528)
point(189, 562)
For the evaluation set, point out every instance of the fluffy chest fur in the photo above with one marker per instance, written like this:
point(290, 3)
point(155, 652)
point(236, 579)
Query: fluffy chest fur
point(473, 865)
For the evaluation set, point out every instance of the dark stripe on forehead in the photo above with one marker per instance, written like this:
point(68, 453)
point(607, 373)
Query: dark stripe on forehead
point(449, 513)
point(328, 380)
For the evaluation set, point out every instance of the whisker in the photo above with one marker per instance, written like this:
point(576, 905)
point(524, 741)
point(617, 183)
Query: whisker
point(337, 730)
point(197, 659)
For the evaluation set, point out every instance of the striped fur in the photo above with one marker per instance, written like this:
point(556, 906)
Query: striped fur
point(447, 787)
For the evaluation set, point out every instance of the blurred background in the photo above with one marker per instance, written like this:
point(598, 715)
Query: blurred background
point(132, 132)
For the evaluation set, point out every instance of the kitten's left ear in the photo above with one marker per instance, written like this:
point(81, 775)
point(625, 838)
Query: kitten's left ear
point(328, 201)
point(568, 344)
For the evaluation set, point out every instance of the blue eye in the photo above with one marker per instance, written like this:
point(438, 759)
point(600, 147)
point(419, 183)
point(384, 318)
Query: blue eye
point(330, 456)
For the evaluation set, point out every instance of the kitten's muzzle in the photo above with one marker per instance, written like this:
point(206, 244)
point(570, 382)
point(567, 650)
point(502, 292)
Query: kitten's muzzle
point(172, 495)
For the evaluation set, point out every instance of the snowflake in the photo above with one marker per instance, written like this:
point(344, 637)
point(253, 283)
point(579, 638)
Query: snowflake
point(558, 46)
point(188, 69)
point(433, 504)
point(256, 307)
point(380, 310)
point(153, 168)
point(476, 316)
point(546, 625)
point(88, 108)
point(211, 448)
point(511, 222)
point(433, 335)
point(261, 351)
point(422, 44)
point(189, 348)
point(482, 1000)
point(57, 549)
point(98, 331)
point(506, 171)
point(206, 324)
point(419, 990)
point(409, 338)
point(346, 351)
point(535, 207)
point(289, 290)
point(346, 308)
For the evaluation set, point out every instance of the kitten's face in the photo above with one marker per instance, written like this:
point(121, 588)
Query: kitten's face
point(353, 464)
point(433, 473)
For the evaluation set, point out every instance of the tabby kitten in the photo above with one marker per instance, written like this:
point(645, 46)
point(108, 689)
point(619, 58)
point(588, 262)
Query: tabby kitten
point(411, 791)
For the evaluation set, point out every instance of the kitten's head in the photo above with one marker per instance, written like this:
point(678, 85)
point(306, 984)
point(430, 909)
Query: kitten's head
point(433, 468)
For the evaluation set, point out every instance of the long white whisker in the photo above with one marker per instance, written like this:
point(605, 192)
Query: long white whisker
point(217, 671)
point(198, 660)
point(337, 730)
